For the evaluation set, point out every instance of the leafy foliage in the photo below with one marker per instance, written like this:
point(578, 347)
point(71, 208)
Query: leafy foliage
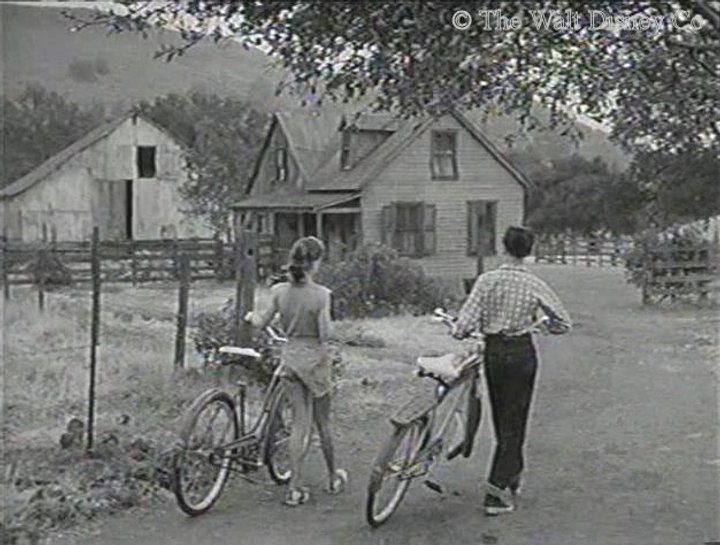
point(581, 196)
point(216, 329)
point(657, 88)
point(37, 125)
point(222, 137)
point(375, 281)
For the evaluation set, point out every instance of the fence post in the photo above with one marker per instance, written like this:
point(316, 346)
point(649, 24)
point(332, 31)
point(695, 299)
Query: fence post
point(133, 263)
point(219, 257)
point(182, 315)
point(245, 247)
point(5, 267)
point(574, 246)
point(41, 262)
point(94, 333)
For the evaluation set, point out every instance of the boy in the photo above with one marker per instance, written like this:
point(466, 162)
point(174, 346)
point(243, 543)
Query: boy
point(505, 305)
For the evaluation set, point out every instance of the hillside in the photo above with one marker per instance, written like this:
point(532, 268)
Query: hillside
point(118, 70)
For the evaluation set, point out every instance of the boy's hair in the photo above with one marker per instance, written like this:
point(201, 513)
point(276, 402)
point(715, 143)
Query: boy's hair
point(303, 254)
point(518, 241)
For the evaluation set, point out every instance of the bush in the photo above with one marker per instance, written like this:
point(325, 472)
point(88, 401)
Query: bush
point(375, 281)
point(50, 270)
point(216, 329)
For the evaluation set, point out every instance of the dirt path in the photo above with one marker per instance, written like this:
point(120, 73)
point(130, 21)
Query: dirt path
point(623, 446)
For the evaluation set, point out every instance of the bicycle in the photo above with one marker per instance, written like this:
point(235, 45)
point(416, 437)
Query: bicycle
point(213, 437)
point(426, 430)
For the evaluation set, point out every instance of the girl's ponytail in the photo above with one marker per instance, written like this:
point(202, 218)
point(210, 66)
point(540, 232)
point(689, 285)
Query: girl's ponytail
point(303, 255)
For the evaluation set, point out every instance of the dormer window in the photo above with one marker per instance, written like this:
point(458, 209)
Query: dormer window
point(345, 151)
point(443, 155)
point(280, 164)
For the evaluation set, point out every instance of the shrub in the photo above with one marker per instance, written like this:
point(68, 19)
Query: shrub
point(216, 329)
point(375, 281)
point(50, 270)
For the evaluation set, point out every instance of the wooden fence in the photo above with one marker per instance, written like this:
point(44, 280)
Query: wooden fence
point(134, 261)
point(587, 251)
point(667, 271)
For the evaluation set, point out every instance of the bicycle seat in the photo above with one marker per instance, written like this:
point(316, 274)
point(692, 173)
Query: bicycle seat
point(445, 368)
point(240, 351)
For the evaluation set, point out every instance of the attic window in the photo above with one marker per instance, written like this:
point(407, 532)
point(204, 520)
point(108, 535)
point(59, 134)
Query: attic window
point(443, 155)
point(280, 164)
point(345, 151)
point(146, 161)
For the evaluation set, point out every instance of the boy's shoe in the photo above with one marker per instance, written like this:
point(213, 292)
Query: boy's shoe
point(496, 506)
point(515, 489)
point(498, 501)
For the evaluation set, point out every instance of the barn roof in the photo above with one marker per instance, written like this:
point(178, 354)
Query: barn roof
point(49, 166)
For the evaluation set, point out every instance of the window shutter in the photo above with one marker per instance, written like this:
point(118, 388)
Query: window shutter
point(472, 228)
point(388, 224)
point(429, 230)
point(490, 220)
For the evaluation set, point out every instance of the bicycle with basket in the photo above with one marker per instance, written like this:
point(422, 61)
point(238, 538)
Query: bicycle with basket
point(215, 438)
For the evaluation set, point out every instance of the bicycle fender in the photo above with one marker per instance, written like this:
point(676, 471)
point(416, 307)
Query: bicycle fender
point(198, 402)
point(413, 409)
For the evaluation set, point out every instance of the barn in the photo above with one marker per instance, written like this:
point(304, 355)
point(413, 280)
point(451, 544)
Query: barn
point(435, 189)
point(122, 177)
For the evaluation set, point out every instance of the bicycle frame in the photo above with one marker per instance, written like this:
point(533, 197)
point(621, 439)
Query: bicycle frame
point(249, 439)
point(440, 416)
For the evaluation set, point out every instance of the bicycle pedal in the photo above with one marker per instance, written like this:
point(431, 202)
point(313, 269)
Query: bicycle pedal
point(435, 487)
point(414, 471)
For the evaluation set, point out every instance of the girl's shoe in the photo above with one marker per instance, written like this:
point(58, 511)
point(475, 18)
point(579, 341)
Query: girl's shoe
point(297, 496)
point(339, 482)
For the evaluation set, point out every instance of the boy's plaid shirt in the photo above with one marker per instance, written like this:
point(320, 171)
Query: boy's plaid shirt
point(509, 301)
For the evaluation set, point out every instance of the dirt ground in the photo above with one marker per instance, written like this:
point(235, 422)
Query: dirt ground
point(622, 447)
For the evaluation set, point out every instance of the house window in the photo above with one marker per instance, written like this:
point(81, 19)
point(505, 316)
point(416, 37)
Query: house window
point(345, 151)
point(409, 228)
point(482, 217)
point(146, 166)
point(443, 155)
point(280, 164)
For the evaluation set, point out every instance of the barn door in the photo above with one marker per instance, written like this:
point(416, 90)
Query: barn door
point(112, 209)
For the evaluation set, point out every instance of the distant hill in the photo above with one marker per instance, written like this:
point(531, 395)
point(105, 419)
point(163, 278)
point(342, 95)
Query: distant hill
point(118, 70)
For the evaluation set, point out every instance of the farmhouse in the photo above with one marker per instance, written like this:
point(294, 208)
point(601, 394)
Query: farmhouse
point(122, 177)
point(435, 189)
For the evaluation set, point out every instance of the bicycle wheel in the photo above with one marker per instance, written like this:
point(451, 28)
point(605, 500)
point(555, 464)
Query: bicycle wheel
point(277, 438)
point(389, 479)
point(201, 465)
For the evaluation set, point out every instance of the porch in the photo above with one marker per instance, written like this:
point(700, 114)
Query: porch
point(333, 218)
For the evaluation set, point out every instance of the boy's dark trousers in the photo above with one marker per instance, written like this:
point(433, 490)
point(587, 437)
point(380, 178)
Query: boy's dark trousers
point(510, 366)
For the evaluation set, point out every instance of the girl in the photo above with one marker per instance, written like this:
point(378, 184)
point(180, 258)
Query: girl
point(304, 309)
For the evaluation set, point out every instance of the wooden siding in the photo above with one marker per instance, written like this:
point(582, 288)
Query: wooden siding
point(69, 199)
point(481, 177)
point(266, 171)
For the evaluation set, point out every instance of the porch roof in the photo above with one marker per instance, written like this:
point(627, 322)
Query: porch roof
point(299, 202)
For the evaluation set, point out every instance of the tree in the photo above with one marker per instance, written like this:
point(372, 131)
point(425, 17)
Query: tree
point(582, 196)
point(37, 125)
point(679, 189)
point(222, 138)
point(658, 88)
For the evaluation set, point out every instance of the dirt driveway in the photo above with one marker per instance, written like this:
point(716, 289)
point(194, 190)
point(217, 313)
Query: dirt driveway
point(623, 444)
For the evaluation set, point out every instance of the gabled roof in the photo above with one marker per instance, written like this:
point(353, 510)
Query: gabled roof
point(49, 166)
point(316, 144)
point(331, 178)
point(295, 201)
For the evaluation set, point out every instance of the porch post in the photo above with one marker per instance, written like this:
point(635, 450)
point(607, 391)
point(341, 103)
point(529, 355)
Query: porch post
point(301, 224)
point(318, 224)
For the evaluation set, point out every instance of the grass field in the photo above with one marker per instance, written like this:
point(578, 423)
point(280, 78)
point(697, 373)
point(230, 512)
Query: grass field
point(627, 378)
